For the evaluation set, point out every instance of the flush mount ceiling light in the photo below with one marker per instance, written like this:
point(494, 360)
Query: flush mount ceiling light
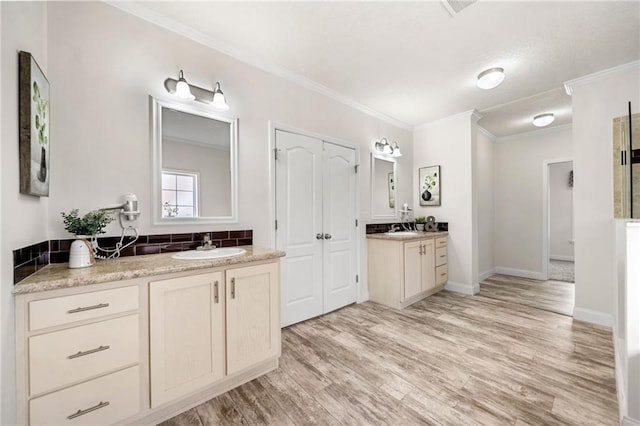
point(488, 79)
point(184, 90)
point(385, 147)
point(542, 120)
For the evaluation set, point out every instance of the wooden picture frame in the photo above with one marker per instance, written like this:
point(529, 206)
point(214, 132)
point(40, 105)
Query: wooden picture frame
point(429, 186)
point(33, 121)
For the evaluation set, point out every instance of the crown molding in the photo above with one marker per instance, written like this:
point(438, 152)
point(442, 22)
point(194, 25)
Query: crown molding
point(535, 132)
point(589, 78)
point(465, 114)
point(487, 133)
point(142, 12)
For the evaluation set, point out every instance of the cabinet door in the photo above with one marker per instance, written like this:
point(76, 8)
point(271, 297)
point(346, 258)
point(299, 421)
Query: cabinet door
point(253, 315)
point(187, 339)
point(412, 269)
point(428, 265)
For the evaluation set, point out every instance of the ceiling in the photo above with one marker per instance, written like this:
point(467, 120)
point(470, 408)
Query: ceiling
point(413, 62)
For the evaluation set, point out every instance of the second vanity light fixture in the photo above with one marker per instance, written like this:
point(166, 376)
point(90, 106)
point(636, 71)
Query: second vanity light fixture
point(385, 147)
point(184, 90)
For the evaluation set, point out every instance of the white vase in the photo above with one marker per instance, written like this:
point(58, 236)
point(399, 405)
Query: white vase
point(420, 226)
point(81, 253)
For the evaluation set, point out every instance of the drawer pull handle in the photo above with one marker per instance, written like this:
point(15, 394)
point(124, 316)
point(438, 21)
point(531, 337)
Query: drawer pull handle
point(443, 255)
point(233, 288)
point(215, 292)
point(88, 308)
point(89, 352)
point(444, 274)
point(88, 410)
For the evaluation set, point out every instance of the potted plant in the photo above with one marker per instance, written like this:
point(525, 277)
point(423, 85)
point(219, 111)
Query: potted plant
point(420, 221)
point(85, 227)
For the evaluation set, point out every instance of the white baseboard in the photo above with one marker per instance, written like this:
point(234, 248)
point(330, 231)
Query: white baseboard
point(628, 421)
point(462, 288)
point(486, 274)
point(593, 317)
point(520, 273)
point(565, 258)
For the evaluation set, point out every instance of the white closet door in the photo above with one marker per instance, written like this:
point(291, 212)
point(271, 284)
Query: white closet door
point(339, 225)
point(299, 215)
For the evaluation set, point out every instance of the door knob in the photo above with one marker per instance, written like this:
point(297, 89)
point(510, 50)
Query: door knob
point(327, 236)
point(319, 236)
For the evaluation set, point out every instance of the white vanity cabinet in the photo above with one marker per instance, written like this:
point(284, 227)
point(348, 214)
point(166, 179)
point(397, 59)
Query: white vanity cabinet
point(142, 350)
point(207, 326)
point(402, 271)
point(78, 358)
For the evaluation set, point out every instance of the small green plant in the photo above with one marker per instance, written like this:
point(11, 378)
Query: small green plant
point(421, 219)
point(92, 223)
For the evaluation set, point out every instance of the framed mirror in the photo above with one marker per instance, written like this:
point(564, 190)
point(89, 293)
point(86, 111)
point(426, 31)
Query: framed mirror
point(195, 165)
point(383, 187)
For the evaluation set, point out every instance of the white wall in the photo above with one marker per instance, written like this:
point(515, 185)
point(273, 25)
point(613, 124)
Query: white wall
point(596, 102)
point(518, 162)
point(484, 178)
point(24, 218)
point(450, 143)
point(560, 212)
point(118, 60)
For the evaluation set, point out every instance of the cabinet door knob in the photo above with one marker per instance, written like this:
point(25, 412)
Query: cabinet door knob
point(319, 236)
point(327, 236)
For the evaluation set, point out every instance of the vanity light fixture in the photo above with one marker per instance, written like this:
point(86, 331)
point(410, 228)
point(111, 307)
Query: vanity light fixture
point(385, 147)
point(488, 79)
point(542, 120)
point(184, 90)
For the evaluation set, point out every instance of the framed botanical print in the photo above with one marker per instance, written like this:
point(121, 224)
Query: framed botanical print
point(429, 186)
point(33, 103)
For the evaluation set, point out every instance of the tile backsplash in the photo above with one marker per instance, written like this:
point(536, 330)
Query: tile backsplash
point(377, 228)
point(28, 260)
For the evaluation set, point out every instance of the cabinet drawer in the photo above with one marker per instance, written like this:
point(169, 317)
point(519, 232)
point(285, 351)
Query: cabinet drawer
point(105, 400)
point(63, 357)
point(441, 256)
point(441, 242)
point(78, 307)
point(441, 275)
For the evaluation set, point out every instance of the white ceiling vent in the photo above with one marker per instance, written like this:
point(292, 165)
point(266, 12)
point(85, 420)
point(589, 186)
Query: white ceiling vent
point(456, 6)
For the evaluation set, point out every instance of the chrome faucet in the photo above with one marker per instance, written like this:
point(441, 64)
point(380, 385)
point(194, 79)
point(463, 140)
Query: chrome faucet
point(207, 243)
point(395, 227)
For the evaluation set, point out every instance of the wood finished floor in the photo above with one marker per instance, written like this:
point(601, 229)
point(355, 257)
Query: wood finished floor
point(447, 360)
point(554, 296)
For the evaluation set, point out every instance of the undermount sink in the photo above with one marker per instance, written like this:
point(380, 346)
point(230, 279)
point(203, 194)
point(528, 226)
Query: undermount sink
point(209, 254)
point(401, 233)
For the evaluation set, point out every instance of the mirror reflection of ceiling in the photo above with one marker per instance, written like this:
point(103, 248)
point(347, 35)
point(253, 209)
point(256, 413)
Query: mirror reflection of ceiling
point(188, 128)
point(413, 62)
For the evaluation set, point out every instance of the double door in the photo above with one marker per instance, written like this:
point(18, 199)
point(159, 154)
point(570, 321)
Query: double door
point(315, 225)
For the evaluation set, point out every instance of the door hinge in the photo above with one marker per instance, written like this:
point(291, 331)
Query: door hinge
point(276, 224)
point(356, 167)
point(623, 158)
point(357, 278)
point(276, 154)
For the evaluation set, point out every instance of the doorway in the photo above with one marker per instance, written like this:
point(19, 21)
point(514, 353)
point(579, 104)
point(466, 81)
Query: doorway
point(315, 193)
point(560, 245)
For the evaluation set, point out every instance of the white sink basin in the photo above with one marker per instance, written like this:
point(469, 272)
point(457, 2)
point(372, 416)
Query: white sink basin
point(209, 254)
point(401, 233)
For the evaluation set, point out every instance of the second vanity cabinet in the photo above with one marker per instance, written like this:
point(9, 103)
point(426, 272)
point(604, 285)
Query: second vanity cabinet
point(143, 349)
point(403, 270)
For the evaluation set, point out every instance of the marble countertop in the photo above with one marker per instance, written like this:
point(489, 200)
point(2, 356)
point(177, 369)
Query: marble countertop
point(58, 275)
point(417, 236)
